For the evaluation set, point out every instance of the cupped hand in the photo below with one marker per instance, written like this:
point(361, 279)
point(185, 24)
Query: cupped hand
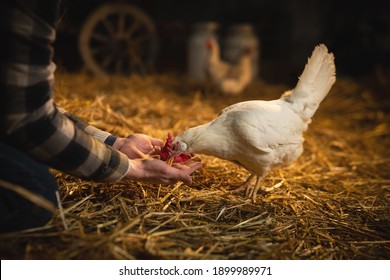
point(137, 145)
point(157, 171)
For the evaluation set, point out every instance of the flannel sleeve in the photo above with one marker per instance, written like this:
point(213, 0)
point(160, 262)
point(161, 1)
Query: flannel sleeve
point(102, 136)
point(30, 121)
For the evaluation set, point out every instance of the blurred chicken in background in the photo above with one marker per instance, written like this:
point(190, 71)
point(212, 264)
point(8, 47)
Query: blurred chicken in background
point(230, 79)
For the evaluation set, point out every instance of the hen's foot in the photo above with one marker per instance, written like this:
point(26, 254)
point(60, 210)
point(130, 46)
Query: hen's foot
point(245, 185)
point(250, 189)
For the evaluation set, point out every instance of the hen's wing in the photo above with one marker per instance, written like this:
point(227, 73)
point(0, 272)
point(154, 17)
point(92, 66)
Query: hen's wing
point(263, 125)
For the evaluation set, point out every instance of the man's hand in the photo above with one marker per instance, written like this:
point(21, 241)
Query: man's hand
point(137, 145)
point(157, 171)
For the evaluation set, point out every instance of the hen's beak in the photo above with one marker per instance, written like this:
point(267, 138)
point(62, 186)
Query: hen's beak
point(173, 150)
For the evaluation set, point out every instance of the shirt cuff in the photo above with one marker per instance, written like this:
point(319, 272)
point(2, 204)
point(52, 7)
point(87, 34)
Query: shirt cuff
point(119, 172)
point(110, 140)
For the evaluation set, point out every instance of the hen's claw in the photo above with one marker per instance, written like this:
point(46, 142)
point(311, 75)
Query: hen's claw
point(245, 185)
point(250, 189)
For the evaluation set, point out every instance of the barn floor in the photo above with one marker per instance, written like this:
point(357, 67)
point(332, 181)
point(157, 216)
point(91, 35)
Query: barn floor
point(332, 203)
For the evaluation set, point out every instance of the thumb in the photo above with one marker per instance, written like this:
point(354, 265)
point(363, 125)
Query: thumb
point(156, 142)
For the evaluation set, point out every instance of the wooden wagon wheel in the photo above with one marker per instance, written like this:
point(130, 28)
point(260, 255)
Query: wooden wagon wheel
point(119, 39)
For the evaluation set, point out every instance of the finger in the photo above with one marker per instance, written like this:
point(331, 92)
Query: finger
point(191, 164)
point(188, 168)
point(156, 151)
point(174, 175)
point(193, 167)
point(197, 159)
point(180, 165)
point(156, 142)
point(191, 161)
point(157, 148)
point(151, 150)
point(165, 181)
point(185, 178)
point(155, 156)
point(139, 153)
point(174, 178)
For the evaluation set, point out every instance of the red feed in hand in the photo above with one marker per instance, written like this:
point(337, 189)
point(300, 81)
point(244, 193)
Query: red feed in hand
point(182, 158)
point(167, 150)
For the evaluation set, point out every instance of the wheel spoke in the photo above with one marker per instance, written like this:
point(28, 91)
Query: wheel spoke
point(133, 28)
point(99, 37)
point(108, 25)
point(119, 62)
point(121, 23)
point(97, 50)
point(135, 60)
point(139, 39)
point(132, 59)
point(107, 60)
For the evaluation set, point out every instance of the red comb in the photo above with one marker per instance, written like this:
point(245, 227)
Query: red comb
point(209, 44)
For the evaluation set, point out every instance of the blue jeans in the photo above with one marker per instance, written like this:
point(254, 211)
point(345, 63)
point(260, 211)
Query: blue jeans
point(16, 212)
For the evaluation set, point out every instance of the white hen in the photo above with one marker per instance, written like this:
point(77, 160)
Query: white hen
point(260, 135)
point(230, 79)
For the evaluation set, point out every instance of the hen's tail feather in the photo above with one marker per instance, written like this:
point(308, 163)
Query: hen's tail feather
point(315, 82)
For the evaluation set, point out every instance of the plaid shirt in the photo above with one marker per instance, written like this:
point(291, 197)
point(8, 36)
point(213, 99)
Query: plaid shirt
point(29, 119)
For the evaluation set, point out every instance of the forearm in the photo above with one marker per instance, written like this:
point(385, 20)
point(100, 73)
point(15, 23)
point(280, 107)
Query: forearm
point(102, 136)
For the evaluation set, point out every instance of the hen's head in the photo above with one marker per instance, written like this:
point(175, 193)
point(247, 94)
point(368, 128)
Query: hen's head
point(248, 51)
point(179, 147)
point(210, 43)
point(174, 149)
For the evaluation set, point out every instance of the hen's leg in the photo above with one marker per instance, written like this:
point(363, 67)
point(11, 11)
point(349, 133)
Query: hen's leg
point(245, 185)
point(256, 188)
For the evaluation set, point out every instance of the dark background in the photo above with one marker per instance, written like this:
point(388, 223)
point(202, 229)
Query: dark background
point(357, 32)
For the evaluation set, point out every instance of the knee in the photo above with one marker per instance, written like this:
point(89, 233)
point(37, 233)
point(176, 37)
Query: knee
point(19, 212)
point(16, 211)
